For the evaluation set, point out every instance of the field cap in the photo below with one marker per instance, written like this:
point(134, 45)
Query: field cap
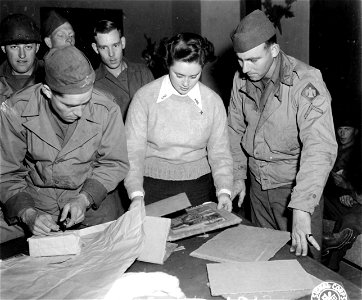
point(52, 22)
point(253, 30)
point(68, 71)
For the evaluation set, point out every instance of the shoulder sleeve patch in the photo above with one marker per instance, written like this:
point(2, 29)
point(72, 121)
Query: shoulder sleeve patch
point(310, 92)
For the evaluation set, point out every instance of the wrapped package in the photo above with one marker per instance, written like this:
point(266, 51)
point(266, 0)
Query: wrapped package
point(59, 243)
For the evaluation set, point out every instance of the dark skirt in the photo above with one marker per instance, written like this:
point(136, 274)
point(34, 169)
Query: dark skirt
point(198, 190)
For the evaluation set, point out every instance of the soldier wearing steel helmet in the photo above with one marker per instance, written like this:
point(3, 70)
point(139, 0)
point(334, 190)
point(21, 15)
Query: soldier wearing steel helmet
point(20, 41)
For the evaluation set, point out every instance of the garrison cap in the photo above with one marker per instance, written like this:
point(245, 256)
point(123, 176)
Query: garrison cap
point(253, 30)
point(18, 29)
point(68, 71)
point(52, 22)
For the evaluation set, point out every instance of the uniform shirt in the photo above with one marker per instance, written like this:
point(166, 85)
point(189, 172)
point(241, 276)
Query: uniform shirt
point(125, 86)
point(291, 140)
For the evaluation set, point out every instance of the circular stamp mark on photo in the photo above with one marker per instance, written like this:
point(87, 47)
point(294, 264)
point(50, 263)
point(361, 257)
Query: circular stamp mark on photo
point(329, 290)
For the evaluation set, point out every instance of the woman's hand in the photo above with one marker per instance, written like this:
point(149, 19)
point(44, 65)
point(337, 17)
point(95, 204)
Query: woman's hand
point(224, 202)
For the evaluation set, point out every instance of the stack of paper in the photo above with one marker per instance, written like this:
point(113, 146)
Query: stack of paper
point(155, 248)
point(259, 280)
point(243, 243)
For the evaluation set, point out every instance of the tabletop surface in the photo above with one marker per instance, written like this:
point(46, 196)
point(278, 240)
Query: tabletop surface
point(192, 272)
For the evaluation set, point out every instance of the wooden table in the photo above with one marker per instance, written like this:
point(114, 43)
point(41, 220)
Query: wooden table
point(192, 271)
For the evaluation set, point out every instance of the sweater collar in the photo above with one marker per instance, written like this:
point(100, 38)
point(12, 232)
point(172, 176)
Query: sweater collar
point(168, 90)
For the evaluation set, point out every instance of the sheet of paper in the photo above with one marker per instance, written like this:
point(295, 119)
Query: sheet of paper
point(243, 243)
point(254, 277)
point(289, 295)
point(156, 232)
point(168, 205)
point(89, 275)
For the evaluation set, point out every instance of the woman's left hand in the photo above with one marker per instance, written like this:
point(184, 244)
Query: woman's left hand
point(224, 202)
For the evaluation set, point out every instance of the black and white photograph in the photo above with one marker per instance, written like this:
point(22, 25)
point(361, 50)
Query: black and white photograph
point(252, 109)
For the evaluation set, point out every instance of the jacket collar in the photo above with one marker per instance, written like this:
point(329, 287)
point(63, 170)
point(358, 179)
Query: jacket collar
point(6, 70)
point(102, 71)
point(33, 108)
point(286, 68)
point(39, 123)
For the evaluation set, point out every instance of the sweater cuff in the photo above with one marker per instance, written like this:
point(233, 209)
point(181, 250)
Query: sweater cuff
point(15, 204)
point(223, 191)
point(95, 191)
point(137, 193)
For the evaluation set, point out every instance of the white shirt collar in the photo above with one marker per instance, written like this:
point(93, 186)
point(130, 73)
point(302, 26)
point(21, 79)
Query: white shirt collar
point(167, 90)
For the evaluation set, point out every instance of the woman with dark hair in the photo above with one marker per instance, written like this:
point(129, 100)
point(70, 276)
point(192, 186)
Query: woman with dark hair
point(177, 132)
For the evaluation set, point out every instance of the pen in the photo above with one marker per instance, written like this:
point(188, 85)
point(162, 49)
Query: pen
point(63, 225)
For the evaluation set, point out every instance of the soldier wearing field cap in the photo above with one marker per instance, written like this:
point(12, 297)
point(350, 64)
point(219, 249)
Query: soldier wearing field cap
point(281, 130)
point(57, 31)
point(63, 149)
point(20, 41)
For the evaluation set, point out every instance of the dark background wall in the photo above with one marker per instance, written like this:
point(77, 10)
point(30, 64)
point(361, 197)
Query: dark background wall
point(324, 33)
point(335, 49)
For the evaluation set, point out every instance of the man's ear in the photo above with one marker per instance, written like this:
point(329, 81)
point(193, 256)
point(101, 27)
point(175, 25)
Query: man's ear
point(275, 49)
point(47, 91)
point(123, 42)
point(94, 46)
point(3, 49)
point(48, 42)
point(37, 47)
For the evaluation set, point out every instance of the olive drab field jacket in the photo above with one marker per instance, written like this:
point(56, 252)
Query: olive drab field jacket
point(5, 70)
point(34, 163)
point(292, 140)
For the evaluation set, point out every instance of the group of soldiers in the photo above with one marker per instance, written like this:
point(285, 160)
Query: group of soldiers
point(64, 146)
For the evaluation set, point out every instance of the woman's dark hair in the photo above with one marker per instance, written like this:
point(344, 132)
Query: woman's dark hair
point(189, 47)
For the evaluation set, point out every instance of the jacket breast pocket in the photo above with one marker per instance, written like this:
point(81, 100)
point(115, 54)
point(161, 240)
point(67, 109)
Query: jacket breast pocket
point(285, 140)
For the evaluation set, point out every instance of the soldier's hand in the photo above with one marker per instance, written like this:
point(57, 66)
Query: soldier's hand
point(239, 189)
point(38, 223)
point(302, 233)
point(347, 200)
point(76, 208)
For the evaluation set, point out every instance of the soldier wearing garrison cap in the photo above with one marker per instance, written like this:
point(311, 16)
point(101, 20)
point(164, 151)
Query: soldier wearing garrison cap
point(20, 41)
point(63, 149)
point(57, 31)
point(281, 130)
